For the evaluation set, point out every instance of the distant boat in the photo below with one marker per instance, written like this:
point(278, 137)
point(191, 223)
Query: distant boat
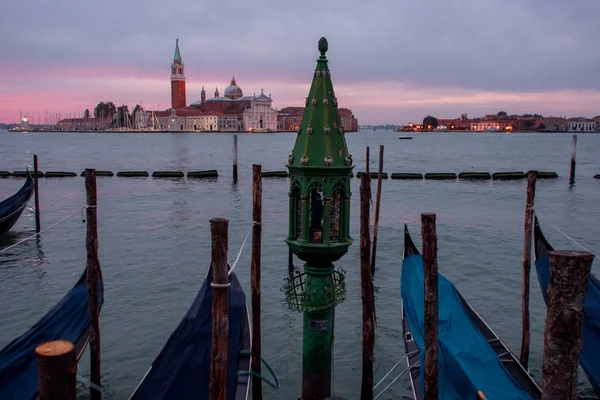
point(405, 137)
point(472, 358)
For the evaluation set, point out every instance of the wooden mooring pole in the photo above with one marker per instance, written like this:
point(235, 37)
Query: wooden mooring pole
point(525, 339)
point(220, 308)
point(368, 300)
point(57, 370)
point(367, 166)
point(235, 160)
point(36, 194)
point(93, 275)
point(255, 278)
point(573, 157)
point(377, 204)
point(569, 275)
point(430, 269)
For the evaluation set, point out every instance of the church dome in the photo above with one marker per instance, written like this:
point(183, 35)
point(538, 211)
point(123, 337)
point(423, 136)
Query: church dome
point(233, 91)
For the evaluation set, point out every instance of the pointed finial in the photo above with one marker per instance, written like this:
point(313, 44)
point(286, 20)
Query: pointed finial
point(323, 46)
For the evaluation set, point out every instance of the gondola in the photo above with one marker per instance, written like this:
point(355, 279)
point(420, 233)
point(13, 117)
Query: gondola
point(182, 368)
point(11, 208)
point(472, 358)
point(69, 320)
point(588, 358)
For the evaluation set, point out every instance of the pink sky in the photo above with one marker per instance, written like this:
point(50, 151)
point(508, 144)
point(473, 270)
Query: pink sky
point(73, 90)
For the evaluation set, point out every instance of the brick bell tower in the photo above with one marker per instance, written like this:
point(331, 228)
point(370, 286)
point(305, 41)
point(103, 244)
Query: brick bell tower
point(177, 80)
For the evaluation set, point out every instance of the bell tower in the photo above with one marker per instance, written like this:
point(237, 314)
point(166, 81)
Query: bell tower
point(177, 80)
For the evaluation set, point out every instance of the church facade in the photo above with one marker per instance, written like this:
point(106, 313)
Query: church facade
point(232, 112)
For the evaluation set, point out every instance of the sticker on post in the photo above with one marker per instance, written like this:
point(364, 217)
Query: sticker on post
point(318, 325)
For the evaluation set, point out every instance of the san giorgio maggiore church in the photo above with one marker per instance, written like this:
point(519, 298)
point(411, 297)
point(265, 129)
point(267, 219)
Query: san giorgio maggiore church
point(231, 112)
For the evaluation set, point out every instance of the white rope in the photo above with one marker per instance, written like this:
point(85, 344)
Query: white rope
point(392, 370)
point(44, 230)
point(394, 381)
point(242, 247)
point(85, 381)
point(564, 234)
point(220, 285)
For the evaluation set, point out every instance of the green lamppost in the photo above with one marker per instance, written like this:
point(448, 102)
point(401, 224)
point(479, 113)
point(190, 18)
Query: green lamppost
point(319, 231)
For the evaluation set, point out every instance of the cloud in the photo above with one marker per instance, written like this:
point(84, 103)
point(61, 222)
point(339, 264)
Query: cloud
point(483, 48)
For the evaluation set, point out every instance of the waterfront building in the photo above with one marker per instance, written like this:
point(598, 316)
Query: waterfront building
point(580, 124)
point(554, 124)
point(290, 118)
point(597, 121)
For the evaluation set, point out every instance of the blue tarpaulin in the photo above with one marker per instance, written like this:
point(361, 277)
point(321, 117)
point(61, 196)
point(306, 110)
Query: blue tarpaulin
point(67, 320)
point(590, 353)
point(467, 362)
point(182, 368)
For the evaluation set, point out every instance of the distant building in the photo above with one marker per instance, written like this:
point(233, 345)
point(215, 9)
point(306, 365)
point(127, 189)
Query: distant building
point(232, 112)
point(290, 118)
point(580, 124)
point(554, 124)
point(84, 124)
point(597, 121)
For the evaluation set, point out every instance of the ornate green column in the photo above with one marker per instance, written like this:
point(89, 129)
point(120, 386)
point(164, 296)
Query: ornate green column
point(320, 167)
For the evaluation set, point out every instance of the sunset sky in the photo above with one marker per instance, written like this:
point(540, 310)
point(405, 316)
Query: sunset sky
point(392, 61)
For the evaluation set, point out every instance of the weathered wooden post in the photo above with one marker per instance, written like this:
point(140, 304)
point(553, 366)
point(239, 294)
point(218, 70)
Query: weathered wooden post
point(57, 370)
point(430, 269)
point(36, 193)
point(366, 284)
point(377, 205)
point(569, 275)
point(319, 228)
point(235, 160)
point(220, 308)
point(255, 278)
point(525, 339)
point(367, 161)
point(573, 156)
point(93, 275)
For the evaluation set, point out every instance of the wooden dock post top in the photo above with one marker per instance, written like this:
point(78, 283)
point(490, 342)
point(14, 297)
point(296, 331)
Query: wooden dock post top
point(54, 348)
point(57, 370)
point(575, 254)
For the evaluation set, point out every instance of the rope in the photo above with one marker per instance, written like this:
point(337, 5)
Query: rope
point(394, 381)
point(44, 230)
point(392, 370)
point(87, 382)
point(250, 372)
point(220, 285)
point(563, 233)
point(242, 247)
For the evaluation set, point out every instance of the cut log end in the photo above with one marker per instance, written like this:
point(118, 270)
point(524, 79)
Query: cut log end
point(54, 348)
point(580, 255)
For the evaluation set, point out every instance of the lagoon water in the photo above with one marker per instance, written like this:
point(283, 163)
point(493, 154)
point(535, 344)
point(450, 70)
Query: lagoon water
point(154, 238)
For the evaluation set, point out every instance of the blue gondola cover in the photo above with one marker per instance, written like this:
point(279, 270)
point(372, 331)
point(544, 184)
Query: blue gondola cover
point(590, 353)
point(182, 368)
point(67, 320)
point(467, 362)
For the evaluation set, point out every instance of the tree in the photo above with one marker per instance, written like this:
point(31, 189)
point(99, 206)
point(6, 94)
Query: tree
point(430, 123)
point(86, 114)
point(105, 110)
point(502, 114)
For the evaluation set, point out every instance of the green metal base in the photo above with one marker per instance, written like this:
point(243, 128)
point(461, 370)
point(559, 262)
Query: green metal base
point(316, 355)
